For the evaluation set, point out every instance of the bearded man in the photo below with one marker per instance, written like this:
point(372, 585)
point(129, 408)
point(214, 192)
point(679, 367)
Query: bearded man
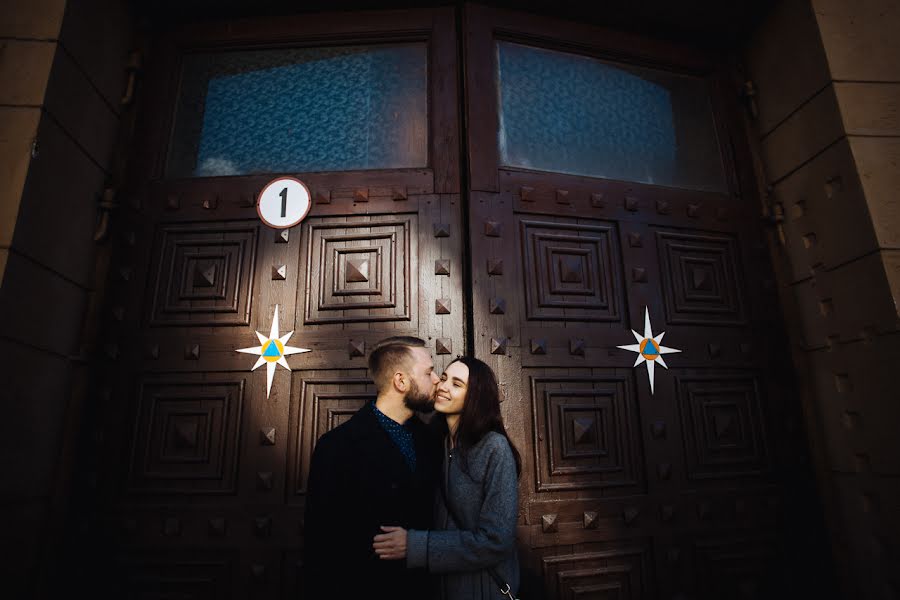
point(378, 468)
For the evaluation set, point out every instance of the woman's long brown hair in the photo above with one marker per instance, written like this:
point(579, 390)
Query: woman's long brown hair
point(480, 413)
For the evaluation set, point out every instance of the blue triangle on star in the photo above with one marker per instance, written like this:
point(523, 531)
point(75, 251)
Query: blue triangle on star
point(271, 350)
point(650, 348)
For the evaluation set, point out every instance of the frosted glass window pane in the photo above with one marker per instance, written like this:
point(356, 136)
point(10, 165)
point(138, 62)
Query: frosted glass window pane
point(573, 114)
point(299, 110)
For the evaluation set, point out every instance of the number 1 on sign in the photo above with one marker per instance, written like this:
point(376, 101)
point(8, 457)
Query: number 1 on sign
point(283, 203)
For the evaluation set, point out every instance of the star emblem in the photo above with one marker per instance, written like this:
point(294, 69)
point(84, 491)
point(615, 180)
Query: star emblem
point(648, 348)
point(272, 351)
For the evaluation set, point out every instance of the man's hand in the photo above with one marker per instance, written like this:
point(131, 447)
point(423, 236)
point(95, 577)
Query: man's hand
point(392, 544)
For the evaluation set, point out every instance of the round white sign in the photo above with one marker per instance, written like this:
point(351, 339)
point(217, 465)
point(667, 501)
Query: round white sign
point(283, 202)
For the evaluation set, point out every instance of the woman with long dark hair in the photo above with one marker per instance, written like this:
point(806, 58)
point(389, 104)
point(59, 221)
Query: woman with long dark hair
point(477, 501)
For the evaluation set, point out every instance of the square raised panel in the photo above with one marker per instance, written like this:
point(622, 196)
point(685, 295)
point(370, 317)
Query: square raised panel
point(722, 426)
point(608, 572)
point(203, 274)
point(323, 404)
point(586, 433)
point(701, 278)
point(571, 271)
point(359, 271)
point(186, 437)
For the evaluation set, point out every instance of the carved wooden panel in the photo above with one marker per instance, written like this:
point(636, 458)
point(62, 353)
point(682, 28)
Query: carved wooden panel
point(322, 404)
point(621, 573)
point(571, 271)
point(197, 576)
point(722, 426)
point(186, 437)
point(736, 567)
point(586, 433)
point(701, 278)
point(203, 274)
point(359, 271)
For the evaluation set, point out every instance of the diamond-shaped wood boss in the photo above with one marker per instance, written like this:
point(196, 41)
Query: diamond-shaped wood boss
point(721, 214)
point(550, 523)
point(171, 527)
point(571, 269)
point(497, 306)
point(715, 350)
point(658, 430)
point(264, 480)
point(492, 228)
point(357, 348)
point(495, 266)
point(576, 347)
point(583, 429)
point(118, 313)
point(130, 238)
point(664, 470)
point(248, 199)
point(151, 351)
point(216, 527)
point(590, 520)
point(279, 273)
point(662, 207)
point(631, 203)
point(442, 266)
point(441, 230)
point(192, 352)
point(539, 346)
point(210, 202)
point(630, 514)
point(322, 197)
point(667, 512)
point(700, 279)
point(267, 436)
point(125, 273)
point(186, 435)
point(204, 277)
point(443, 345)
point(357, 270)
point(498, 345)
point(634, 239)
point(361, 195)
point(258, 571)
point(442, 306)
point(172, 202)
point(562, 197)
point(693, 210)
point(111, 350)
point(598, 200)
point(399, 193)
point(262, 526)
point(674, 555)
point(526, 193)
point(282, 236)
point(703, 510)
point(639, 274)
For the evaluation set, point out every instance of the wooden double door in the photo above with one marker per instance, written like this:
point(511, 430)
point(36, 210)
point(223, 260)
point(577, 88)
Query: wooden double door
point(625, 493)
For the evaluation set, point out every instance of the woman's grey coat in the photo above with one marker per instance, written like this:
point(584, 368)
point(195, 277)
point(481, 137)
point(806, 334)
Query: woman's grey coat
point(486, 502)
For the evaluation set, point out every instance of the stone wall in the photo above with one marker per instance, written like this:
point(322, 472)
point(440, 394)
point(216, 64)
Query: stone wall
point(827, 77)
point(62, 75)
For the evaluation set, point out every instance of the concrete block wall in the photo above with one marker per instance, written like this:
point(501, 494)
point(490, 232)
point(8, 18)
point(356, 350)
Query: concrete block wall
point(828, 80)
point(62, 74)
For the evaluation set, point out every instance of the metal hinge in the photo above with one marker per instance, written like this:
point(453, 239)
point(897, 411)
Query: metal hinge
point(135, 62)
point(748, 94)
point(106, 204)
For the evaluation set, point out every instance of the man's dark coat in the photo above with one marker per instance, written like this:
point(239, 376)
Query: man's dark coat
point(359, 481)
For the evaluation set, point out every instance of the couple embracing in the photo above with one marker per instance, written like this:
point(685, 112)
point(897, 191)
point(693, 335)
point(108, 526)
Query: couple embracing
point(397, 508)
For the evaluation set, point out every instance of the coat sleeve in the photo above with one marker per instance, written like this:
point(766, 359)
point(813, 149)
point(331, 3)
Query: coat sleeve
point(321, 549)
point(494, 535)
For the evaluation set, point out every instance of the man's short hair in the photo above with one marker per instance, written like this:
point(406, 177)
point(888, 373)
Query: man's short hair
point(390, 354)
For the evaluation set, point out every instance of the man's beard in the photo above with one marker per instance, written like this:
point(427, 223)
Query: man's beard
point(418, 400)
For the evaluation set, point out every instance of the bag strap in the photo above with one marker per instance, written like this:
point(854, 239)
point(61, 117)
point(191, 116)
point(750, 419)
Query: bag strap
point(505, 588)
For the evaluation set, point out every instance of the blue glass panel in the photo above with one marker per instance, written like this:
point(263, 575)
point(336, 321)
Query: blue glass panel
point(301, 110)
point(573, 114)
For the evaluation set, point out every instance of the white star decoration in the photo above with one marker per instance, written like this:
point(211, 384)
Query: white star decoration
point(648, 348)
point(272, 351)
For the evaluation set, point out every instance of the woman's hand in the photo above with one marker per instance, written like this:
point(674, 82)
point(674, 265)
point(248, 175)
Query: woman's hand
point(391, 545)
